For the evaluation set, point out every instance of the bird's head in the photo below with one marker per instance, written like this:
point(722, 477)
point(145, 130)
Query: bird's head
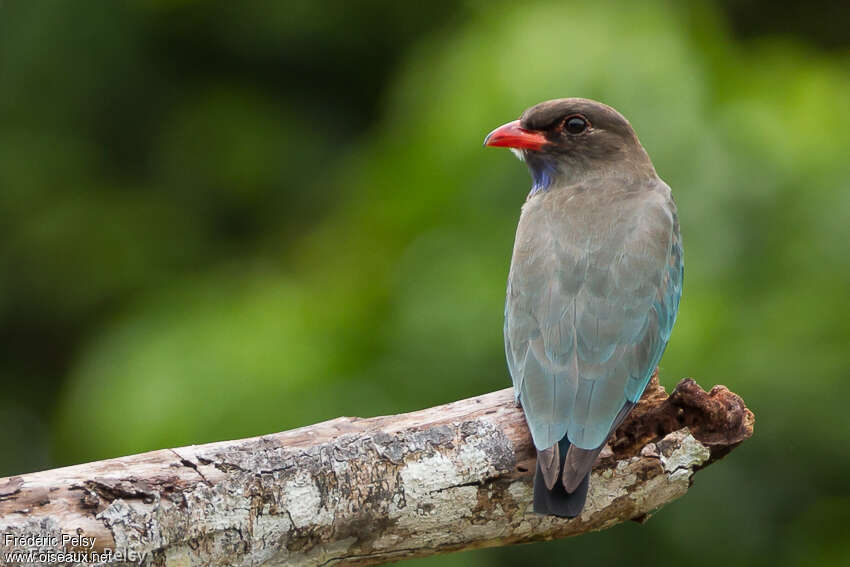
point(566, 140)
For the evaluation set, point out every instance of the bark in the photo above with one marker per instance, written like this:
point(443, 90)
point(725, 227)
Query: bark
point(355, 491)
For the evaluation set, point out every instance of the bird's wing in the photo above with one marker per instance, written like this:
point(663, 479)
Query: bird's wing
point(578, 461)
point(591, 302)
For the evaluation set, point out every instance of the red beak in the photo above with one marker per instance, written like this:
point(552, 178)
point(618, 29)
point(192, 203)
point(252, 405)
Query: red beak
point(512, 136)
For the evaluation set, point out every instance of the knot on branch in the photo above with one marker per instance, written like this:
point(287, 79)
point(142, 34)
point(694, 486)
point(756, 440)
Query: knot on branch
point(718, 419)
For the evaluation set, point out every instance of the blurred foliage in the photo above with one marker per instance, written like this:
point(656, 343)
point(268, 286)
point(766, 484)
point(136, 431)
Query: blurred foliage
point(220, 220)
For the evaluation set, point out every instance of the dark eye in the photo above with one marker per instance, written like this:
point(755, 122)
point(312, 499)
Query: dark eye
point(575, 124)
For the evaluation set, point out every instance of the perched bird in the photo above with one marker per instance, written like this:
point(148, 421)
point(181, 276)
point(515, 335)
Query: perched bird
point(593, 288)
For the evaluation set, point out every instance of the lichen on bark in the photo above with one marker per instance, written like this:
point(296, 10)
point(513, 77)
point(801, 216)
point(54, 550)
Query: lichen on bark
point(363, 491)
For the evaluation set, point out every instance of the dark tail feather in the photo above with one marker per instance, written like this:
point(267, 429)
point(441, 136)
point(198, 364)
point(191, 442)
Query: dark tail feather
point(579, 462)
point(578, 465)
point(558, 501)
point(574, 474)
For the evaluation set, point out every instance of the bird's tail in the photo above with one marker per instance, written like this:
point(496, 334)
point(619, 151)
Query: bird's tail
point(563, 473)
point(552, 476)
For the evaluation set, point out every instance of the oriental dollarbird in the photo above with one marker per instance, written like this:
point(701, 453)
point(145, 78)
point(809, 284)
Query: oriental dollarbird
point(593, 288)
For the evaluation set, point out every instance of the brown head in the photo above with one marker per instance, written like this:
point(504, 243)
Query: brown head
point(567, 139)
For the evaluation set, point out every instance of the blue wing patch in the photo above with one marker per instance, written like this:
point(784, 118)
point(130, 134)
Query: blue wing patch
point(587, 317)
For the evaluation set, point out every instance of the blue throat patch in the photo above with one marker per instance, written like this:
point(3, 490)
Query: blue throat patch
point(542, 174)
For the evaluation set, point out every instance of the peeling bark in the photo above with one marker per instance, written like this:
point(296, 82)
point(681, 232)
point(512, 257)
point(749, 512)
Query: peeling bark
point(355, 491)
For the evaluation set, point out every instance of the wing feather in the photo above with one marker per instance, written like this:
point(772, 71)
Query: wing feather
point(593, 292)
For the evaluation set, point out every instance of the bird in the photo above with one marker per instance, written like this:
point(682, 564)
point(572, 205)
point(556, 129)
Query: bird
point(593, 289)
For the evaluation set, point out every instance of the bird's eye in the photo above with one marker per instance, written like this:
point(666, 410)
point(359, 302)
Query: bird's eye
point(575, 124)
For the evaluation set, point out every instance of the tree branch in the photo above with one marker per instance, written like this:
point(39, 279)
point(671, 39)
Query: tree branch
point(355, 491)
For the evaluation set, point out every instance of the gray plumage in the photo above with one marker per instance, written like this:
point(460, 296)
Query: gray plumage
point(593, 288)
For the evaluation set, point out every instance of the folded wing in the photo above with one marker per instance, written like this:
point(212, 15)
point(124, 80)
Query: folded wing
point(592, 296)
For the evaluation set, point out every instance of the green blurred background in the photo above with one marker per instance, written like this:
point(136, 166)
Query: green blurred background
point(227, 219)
